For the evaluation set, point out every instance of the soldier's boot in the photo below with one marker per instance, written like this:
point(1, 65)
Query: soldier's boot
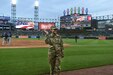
point(52, 71)
point(57, 72)
point(51, 74)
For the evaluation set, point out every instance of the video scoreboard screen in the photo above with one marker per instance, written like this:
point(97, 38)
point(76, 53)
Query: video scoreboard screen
point(75, 21)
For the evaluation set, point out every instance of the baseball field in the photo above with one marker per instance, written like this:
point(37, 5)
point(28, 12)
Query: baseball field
point(27, 57)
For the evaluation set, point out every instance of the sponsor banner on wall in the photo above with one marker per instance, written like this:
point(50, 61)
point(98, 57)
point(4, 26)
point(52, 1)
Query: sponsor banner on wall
point(33, 36)
point(46, 25)
point(23, 37)
point(102, 37)
point(81, 37)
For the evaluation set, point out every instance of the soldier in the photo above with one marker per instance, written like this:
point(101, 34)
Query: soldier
point(55, 52)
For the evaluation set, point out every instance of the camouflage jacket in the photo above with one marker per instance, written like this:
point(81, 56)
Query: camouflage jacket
point(56, 43)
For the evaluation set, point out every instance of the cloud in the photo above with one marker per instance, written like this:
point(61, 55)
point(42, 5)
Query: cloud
point(55, 8)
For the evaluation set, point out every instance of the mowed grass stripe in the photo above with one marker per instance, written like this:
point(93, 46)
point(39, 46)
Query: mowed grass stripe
point(89, 42)
point(34, 61)
point(85, 61)
point(26, 61)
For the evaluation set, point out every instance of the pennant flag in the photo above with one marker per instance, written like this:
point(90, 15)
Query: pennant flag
point(71, 11)
point(74, 10)
point(67, 11)
point(82, 10)
point(86, 10)
point(78, 10)
point(64, 12)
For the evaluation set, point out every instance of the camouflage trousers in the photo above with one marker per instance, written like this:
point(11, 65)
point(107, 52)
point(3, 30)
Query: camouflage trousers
point(54, 62)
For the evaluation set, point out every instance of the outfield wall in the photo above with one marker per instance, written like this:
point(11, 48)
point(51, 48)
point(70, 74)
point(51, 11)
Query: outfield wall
point(90, 37)
point(24, 36)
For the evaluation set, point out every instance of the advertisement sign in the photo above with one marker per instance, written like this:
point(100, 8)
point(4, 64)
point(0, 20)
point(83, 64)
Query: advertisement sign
point(46, 25)
point(24, 25)
point(33, 36)
point(102, 37)
point(23, 36)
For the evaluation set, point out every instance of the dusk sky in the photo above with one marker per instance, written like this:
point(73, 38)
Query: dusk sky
point(55, 8)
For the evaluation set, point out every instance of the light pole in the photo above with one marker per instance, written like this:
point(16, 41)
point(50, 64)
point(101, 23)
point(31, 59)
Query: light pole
point(13, 11)
point(36, 9)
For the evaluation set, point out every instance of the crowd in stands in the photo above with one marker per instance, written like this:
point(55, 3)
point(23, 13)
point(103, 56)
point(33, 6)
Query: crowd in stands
point(63, 33)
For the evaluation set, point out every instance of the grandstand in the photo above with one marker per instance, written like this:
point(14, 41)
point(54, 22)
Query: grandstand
point(94, 27)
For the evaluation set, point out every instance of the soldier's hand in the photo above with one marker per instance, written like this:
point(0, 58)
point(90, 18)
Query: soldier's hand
point(62, 55)
point(46, 31)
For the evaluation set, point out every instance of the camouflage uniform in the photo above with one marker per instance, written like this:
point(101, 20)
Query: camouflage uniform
point(55, 52)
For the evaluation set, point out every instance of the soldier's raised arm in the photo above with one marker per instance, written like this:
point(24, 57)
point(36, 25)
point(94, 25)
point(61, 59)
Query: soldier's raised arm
point(47, 39)
point(46, 32)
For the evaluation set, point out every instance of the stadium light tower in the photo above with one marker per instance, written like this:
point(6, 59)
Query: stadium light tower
point(36, 9)
point(13, 11)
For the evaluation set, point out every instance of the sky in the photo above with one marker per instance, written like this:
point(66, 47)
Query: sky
point(55, 8)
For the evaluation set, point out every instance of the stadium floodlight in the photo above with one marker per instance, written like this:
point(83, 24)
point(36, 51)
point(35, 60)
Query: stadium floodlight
point(13, 2)
point(37, 3)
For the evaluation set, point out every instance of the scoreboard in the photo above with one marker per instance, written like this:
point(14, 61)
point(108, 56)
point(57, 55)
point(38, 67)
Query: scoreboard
point(75, 21)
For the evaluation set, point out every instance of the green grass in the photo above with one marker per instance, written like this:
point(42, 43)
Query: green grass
point(89, 42)
point(33, 61)
point(24, 61)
